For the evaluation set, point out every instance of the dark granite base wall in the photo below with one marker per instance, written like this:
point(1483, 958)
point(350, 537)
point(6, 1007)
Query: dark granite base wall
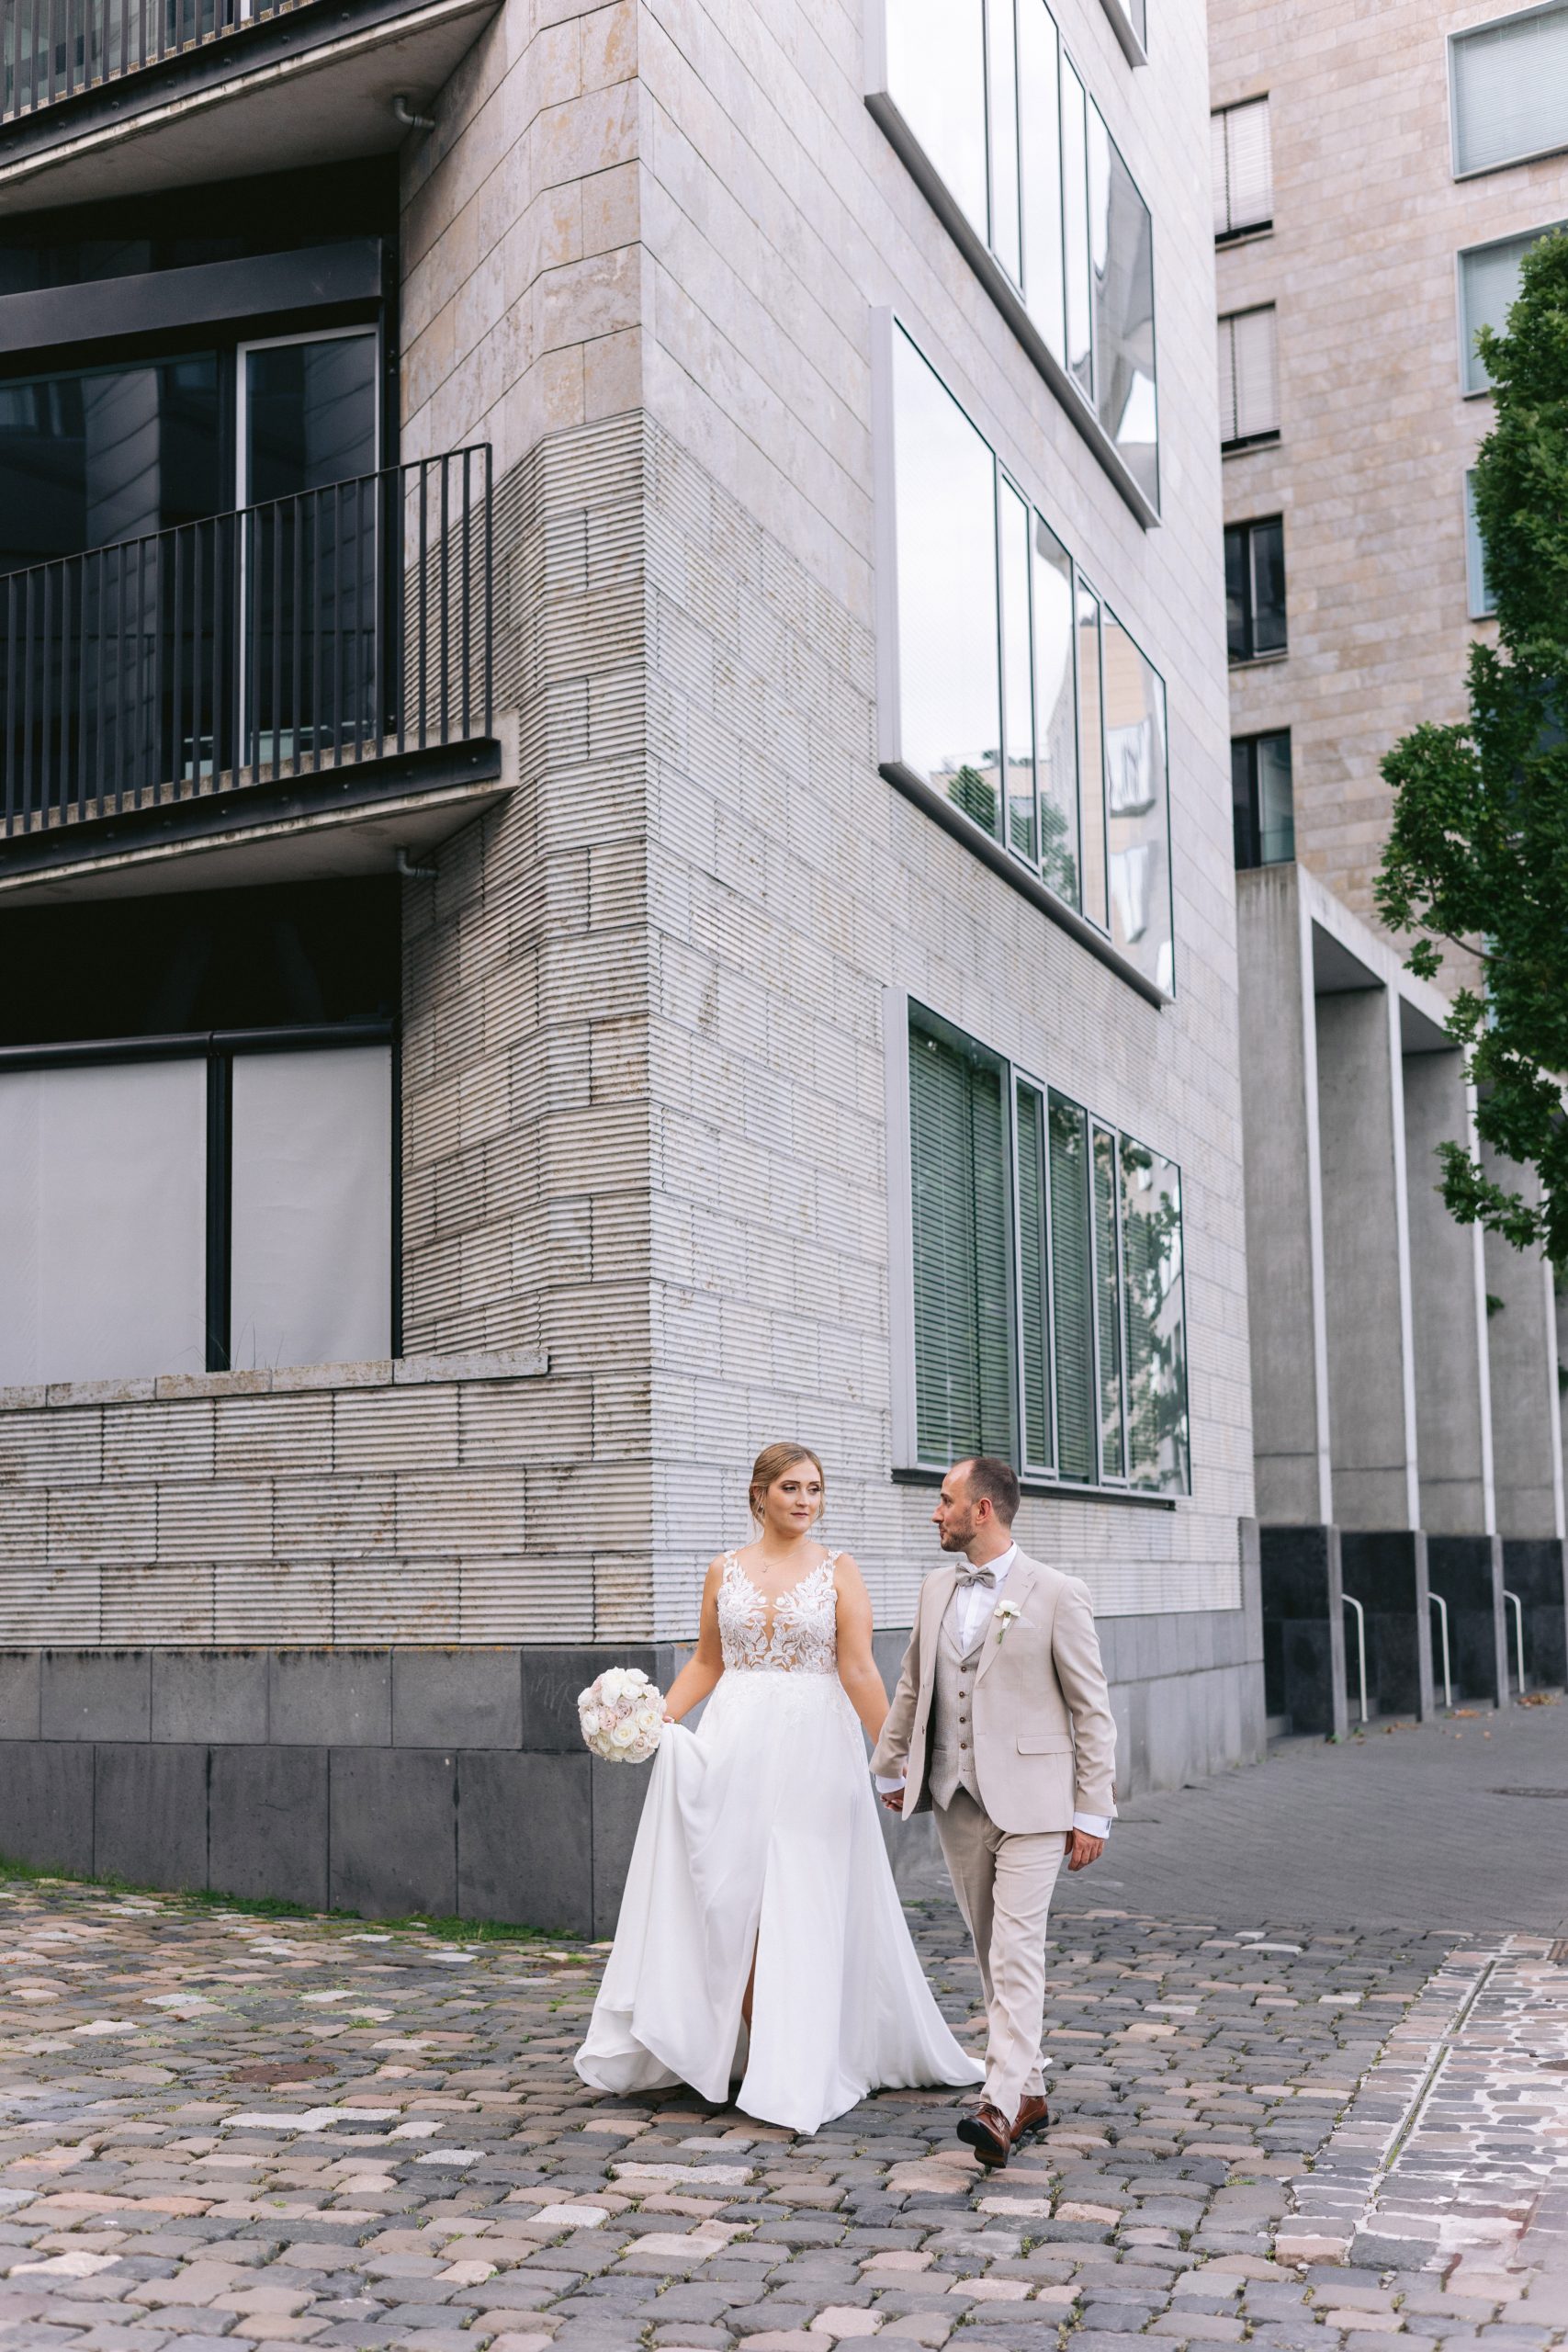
point(434, 1782)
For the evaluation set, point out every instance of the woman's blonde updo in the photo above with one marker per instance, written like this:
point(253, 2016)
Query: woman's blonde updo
point(772, 1464)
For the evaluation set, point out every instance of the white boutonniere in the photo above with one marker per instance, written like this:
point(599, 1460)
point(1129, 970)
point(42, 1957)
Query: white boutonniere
point(1004, 1614)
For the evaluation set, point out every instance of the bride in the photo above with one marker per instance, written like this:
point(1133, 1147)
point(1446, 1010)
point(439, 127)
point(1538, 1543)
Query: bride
point(761, 1933)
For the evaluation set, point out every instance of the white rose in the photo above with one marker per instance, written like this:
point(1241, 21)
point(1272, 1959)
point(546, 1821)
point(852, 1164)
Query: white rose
point(624, 1736)
point(613, 1682)
point(591, 1720)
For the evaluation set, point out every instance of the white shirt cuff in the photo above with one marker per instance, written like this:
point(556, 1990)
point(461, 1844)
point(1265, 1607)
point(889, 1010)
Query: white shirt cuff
point(1093, 1824)
point(885, 1787)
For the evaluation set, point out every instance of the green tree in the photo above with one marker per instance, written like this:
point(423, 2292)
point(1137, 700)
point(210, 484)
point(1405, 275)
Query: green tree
point(1478, 855)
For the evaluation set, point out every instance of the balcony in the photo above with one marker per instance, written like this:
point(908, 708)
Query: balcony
point(103, 98)
point(227, 692)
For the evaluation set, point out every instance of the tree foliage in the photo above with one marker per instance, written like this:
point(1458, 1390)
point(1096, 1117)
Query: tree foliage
point(1478, 855)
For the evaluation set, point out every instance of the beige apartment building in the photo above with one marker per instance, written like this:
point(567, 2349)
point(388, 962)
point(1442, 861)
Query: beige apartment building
point(615, 844)
point(1377, 174)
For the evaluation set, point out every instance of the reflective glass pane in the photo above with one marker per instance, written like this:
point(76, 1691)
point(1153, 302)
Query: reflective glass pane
point(1039, 116)
point(1268, 587)
point(106, 454)
point(1156, 1342)
point(1091, 760)
point(1056, 709)
point(936, 75)
point(1001, 40)
point(1075, 232)
point(1135, 802)
point(1121, 249)
point(1017, 674)
point(309, 411)
point(1238, 594)
point(1276, 804)
point(1482, 603)
point(950, 714)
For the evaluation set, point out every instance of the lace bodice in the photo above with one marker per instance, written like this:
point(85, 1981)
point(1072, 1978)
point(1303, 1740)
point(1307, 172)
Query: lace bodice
point(797, 1633)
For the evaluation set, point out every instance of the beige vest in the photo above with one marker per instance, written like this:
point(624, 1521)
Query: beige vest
point(952, 1712)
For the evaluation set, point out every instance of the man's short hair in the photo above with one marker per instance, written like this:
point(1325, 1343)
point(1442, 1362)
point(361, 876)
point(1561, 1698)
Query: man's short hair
point(998, 1481)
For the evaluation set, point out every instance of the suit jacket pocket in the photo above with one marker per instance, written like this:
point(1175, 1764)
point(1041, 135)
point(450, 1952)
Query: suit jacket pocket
point(1044, 1743)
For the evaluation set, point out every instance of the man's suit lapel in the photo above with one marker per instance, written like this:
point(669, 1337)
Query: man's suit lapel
point(935, 1594)
point(1017, 1590)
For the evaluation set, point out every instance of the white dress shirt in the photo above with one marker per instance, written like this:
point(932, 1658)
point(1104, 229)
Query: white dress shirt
point(975, 1602)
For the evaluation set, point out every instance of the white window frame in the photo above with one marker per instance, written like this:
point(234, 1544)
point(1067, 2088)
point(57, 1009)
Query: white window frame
point(283, 343)
point(1456, 41)
point(897, 1005)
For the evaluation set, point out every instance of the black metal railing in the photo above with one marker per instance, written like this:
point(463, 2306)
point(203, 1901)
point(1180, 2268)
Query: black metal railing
point(341, 624)
point(50, 49)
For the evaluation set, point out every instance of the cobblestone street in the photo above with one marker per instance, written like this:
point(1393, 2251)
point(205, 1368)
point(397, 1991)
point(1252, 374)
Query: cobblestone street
point(224, 2126)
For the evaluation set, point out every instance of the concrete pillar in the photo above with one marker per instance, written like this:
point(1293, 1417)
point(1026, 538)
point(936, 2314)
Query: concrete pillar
point(1284, 1200)
point(1466, 1572)
point(1527, 1425)
point(1372, 1388)
point(1303, 1628)
point(1386, 1572)
point(1447, 1281)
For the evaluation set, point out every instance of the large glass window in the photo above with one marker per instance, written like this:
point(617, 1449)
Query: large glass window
point(1255, 589)
point(1241, 167)
point(1021, 697)
point(1488, 286)
point(1510, 89)
point(1047, 1277)
point(1249, 377)
point(224, 1196)
point(950, 706)
point(1262, 805)
point(959, 1154)
point(1001, 115)
point(1136, 832)
point(96, 455)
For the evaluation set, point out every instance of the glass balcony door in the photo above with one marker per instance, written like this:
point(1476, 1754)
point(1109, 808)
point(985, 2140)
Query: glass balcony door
point(310, 585)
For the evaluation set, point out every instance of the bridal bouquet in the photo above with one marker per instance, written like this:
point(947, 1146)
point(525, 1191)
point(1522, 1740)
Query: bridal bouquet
point(622, 1714)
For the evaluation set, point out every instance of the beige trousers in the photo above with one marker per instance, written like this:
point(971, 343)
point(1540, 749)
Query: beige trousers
point(1003, 1880)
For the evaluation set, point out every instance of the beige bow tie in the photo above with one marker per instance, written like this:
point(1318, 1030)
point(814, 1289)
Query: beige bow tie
point(969, 1577)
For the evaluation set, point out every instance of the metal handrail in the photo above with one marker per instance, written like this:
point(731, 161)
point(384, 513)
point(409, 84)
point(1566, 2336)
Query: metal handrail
point(1361, 1647)
point(52, 50)
point(1518, 1607)
point(1439, 1603)
point(279, 640)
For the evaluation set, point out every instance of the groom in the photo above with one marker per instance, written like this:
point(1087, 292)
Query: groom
point(1001, 1723)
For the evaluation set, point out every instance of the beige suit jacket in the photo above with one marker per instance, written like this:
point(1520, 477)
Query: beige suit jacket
point(1045, 1736)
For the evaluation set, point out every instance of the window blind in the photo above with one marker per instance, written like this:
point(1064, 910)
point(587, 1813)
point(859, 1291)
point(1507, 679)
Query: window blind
point(1108, 1305)
point(1488, 286)
point(1242, 162)
point(1249, 391)
point(1072, 1293)
point(962, 1253)
point(1031, 1261)
point(1482, 603)
point(1510, 89)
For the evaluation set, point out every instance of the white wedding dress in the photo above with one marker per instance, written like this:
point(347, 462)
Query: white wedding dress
point(759, 1833)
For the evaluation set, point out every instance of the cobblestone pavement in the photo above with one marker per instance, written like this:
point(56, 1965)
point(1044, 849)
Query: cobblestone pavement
point(218, 2126)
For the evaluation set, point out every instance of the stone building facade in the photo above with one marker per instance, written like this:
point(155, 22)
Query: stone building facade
point(1376, 177)
point(713, 928)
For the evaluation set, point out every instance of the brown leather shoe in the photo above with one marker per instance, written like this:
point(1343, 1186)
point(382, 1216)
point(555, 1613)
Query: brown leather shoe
point(986, 2131)
point(1032, 2115)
